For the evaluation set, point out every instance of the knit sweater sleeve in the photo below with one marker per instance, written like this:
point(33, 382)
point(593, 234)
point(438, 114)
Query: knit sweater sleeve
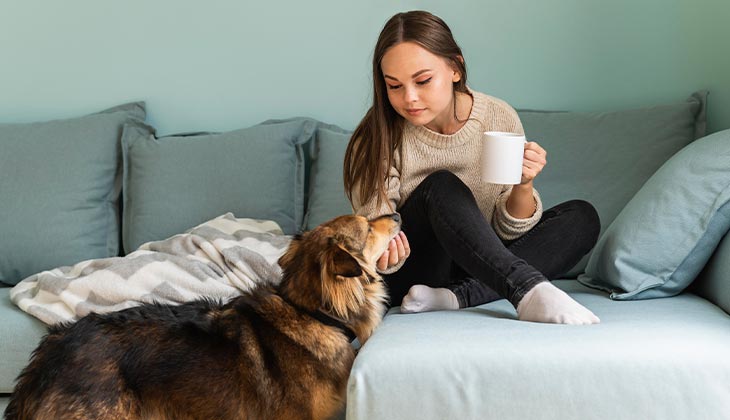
point(371, 209)
point(506, 226)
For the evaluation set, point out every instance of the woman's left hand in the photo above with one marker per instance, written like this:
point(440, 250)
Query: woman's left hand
point(535, 159)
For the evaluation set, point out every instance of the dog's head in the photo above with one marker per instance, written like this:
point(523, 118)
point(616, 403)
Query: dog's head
point(332, 268)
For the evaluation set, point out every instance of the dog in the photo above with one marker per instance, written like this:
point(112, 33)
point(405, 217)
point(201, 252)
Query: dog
point(278, 352)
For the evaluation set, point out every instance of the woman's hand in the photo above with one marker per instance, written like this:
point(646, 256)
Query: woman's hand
point(521, 203)
point(535, 159)
point(398, 250)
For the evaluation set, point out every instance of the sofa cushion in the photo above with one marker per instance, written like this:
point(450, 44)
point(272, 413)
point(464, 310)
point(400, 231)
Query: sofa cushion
point(327, 198)
point(605, 157)
point(176, 182)
point(60, 183)
point(664, 236)
point(21, 334)
point(653, 359)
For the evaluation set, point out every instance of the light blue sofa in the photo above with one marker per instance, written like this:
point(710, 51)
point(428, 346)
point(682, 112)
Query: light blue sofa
point(663, 358)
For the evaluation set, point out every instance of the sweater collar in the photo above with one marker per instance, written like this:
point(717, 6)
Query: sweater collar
point(467, 132)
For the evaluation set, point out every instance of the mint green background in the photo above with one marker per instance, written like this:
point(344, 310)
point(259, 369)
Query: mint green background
point(226, 64)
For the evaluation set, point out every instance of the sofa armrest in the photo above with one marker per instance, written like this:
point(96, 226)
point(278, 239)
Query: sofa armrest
point(713, 283)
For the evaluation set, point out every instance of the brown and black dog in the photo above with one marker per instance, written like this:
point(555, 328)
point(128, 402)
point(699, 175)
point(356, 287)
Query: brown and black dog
point(276, 353)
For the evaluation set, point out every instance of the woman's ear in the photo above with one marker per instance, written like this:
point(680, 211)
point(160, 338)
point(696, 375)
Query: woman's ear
point(457, 75)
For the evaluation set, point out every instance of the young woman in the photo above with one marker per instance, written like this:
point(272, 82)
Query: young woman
point(417, 150)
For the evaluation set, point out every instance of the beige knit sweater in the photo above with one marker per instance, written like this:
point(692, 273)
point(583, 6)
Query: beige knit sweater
point(424, 151)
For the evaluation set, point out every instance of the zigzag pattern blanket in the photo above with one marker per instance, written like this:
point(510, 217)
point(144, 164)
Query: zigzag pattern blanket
point(218, 259)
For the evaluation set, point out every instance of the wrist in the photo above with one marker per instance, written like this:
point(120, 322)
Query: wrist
point(521, 203)
point(527, 186)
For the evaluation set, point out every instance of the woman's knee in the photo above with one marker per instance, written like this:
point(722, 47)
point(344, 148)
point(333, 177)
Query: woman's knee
point(586, 217)
point(445, 180)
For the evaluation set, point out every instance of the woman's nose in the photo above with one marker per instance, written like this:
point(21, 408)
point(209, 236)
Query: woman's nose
point(410, 95)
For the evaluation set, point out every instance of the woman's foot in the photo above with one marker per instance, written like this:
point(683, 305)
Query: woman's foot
point(422, 298)
point(547, 303)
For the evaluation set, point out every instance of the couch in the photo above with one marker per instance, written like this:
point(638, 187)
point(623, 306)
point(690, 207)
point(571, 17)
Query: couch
point(101, 185)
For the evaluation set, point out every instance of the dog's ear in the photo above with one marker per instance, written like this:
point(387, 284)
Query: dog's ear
point(344, 264)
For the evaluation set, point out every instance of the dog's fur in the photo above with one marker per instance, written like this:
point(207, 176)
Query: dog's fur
point(263, 355)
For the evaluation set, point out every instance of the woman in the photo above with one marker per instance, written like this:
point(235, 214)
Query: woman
point(416, 151)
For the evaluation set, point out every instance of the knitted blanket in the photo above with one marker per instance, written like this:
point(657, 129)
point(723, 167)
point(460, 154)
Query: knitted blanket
point(218, 259)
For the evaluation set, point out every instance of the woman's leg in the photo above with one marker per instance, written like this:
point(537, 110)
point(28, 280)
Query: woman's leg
point(443, 223)
point(564, 234)
point(450, 227)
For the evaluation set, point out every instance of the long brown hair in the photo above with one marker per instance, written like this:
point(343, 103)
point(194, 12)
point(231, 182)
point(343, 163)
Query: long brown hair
point(370, 152)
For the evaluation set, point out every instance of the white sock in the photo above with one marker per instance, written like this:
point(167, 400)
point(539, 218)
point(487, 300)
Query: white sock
point(547, 303)
point(422, 298)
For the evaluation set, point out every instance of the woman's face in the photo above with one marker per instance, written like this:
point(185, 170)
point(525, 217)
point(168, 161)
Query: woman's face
point(419, 84)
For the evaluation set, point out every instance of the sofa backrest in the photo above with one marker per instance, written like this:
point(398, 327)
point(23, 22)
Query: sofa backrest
point(290, 171)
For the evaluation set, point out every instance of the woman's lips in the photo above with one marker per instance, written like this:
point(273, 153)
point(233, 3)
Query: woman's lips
point(415, 111)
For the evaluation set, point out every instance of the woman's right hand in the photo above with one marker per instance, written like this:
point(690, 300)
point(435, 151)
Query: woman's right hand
point(398, 250)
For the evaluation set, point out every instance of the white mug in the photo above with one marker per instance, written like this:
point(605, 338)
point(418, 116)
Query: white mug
point(501, 159)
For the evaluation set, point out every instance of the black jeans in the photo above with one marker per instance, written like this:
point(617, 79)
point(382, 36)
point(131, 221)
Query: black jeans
point(454, 246)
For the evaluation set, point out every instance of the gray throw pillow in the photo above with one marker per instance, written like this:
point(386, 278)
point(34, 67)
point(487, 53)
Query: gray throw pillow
point(327, 198)
point(60, 183)
point(174, 183)
point(664, 236)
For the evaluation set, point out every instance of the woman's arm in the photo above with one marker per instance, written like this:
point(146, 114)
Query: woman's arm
point(521, 203)
point(399, 249)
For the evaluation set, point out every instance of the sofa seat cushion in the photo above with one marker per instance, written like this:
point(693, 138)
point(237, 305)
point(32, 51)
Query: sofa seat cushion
point(661, 358)
point(20, 333)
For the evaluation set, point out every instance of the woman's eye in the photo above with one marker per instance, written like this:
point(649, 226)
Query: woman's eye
point(393, 87)
point(423, 82)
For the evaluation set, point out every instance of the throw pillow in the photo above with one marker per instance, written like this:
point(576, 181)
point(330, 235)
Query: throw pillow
point(327, 198)
point(176, 182)
point(664, 236)
point(60, 183)
point(713, 282)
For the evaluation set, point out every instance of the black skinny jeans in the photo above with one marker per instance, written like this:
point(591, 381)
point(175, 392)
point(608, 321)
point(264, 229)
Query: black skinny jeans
point(454, 246)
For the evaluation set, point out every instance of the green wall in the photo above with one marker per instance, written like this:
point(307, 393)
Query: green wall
point(225, 64)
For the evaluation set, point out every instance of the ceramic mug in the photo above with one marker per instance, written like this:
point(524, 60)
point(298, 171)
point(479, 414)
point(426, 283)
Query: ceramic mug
point(501, 159)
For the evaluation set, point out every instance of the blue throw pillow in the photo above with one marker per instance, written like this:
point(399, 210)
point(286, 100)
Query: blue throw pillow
point(60, 183)
point(176, 182)
point(664, 236)
point(327, 198)
point(713, 283)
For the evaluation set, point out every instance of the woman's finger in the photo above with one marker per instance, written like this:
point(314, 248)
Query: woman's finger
point(393, 254)
point(400, 247)
point(533, 156)
point(383, 261)
point(406, 245)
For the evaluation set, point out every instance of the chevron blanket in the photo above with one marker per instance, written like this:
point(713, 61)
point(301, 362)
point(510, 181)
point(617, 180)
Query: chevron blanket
point(218, 259)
